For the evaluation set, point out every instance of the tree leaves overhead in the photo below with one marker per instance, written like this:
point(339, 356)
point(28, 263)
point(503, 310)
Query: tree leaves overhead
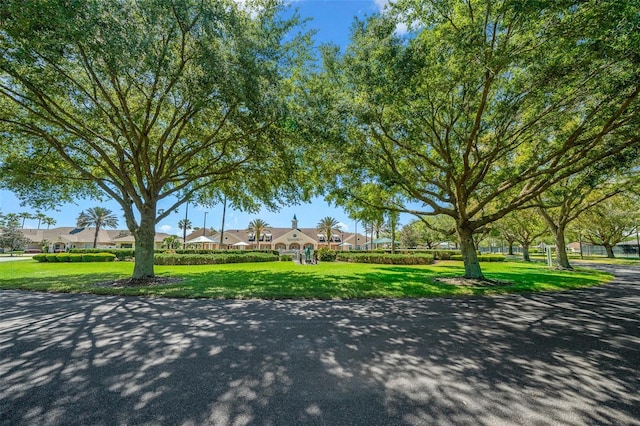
point(150, 99)
point(484, 104)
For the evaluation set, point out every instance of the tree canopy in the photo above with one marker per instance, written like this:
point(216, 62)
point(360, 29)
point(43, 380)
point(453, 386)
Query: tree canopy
point(148, 100)
point(482, 106)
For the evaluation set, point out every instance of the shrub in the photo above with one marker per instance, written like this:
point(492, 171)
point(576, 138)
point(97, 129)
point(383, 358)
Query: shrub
point(98, 257)
point(385, 258)
point(214, 259)
point(286, 258)
point(121, 254)
point(63, 257)
point(75, 257)
point(483, 257)
point(217, 251)
point(326, 255)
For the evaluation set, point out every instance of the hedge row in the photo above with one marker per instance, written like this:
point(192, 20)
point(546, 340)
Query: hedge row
point(74, 257)
point(213, 259)
point(384, 258)
point(484, 257)
point(438, 254)
point(122, 254)
point(198, 251)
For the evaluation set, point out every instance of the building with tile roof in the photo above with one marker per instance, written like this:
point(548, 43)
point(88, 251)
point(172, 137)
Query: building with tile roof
point(66, 238)
point(281, 239)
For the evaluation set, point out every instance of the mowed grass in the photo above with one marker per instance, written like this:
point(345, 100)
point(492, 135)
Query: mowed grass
point(286, 280)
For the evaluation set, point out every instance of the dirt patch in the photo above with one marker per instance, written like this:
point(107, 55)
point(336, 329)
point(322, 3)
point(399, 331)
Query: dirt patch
point(128, 282)
point(473, 282)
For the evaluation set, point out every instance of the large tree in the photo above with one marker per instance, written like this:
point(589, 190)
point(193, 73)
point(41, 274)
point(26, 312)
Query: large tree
point(524, 227)
point(610, 222)
point(484, 104)
point(98, 217)
point(12, 237)
point(566, 200)
point(147, 101)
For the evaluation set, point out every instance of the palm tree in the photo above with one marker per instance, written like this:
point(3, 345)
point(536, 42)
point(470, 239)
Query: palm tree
point(41, 218)
point(98, 217)
point(11, 220)
point(258, 226)
point(327, 226)
point(49, 221)
point(172, 242)
point(379, 226)
point(24, 216)
point(184, 224)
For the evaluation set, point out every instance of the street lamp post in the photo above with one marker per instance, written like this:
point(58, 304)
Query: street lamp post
point(184, 230)
point(355, 237)
point(638, 240)
point(204, 225)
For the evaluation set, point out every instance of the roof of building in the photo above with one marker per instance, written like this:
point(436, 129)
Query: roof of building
point(232, 236)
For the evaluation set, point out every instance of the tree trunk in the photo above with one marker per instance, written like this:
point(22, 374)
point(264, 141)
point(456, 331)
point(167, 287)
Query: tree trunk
point(95, 237)
point(609, 250)
point(469, 254)
point(510, 248)
point(561, 249)
point(525, 253)
point(145, 246)
point(393, 233)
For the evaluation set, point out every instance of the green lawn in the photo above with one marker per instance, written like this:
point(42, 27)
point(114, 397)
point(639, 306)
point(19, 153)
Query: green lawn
point(591, 259)
point(286, 280)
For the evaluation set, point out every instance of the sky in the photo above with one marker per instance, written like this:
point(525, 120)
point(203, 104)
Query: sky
point(332, 20)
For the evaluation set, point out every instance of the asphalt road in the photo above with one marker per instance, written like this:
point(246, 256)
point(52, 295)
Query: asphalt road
point(570, 358)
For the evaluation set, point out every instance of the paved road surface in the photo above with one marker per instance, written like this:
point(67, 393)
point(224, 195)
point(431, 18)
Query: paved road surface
point(13, 258)
point(557, 358)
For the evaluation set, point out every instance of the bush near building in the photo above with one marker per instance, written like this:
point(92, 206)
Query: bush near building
point(386, 258)
point(124, 254)
point(214, 258)
point(483, 257)
point(74, 257)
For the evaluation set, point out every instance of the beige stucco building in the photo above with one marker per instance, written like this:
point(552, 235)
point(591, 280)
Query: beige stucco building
point(282, 239)
point(66, 238)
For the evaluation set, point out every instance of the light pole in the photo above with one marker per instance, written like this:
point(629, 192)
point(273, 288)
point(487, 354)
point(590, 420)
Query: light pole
point(638, 239)
point(355, 239)
point(184, 230)
point(204, 225)
point(224, 212)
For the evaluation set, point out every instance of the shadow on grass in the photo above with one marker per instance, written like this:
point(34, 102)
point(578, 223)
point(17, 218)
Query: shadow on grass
point(310, 283)
point(267, 284)
point(80, 282)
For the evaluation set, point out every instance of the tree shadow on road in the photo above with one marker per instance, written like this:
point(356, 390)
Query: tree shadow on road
point(553, 358)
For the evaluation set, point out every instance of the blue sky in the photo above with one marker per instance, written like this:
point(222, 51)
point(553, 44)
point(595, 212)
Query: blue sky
point(332, 20)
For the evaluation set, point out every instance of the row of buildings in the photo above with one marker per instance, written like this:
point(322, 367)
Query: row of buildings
point(282, 239)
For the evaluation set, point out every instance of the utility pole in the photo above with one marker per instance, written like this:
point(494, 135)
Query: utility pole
point(204, 225)
point(224, 212)
point(184, 229)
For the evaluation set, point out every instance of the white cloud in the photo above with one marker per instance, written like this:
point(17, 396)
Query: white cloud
point(382, 3)
point(343, 226)
point(401, 28)
point(167, 229)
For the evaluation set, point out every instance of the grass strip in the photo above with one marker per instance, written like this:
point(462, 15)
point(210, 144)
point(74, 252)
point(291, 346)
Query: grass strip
point(286, 280)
